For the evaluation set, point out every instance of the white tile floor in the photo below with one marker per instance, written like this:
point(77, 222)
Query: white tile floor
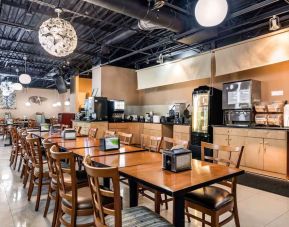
point(256, 208)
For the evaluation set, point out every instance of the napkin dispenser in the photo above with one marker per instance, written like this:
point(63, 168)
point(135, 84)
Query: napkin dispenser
point(109, 143)
point(69, 134)
point(177, 159)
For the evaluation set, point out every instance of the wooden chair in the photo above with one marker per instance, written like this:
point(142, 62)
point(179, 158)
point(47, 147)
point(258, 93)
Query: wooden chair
point(27, 162)
point(16, 147)
point(75, 202)
point(3, 128)
point(168, 143)
point(22, 148)
point(31, 123)
point(106, 215)
point(77, 129)
point(109, 133)
point(153, 144)
point(92, 133)
point(213, 200)
point(125, 138)
point(39, 172)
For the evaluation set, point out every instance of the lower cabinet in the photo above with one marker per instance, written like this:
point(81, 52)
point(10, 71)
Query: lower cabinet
point(263, 149)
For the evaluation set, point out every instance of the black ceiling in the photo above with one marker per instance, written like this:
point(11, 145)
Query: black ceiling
point(20, 21)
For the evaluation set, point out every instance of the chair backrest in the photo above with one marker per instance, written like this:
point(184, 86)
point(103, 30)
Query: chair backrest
point(14, 136)
point(224, 155)
point(92, 132)
point(68, 183)
point(77, 129)
point(125, 138)
point(51, 165)
point(153, 143)
point(31, 123)
point(64, 127)
point(100, 211)
point(109, 133)
point(170, 142)
point(34, 147)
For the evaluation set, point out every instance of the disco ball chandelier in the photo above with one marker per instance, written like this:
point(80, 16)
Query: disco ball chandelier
point(57, 36)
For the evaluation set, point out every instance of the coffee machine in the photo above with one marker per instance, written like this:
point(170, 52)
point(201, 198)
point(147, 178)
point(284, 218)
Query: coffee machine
point(238, 102)
point(96, 109)
point(116, 110)
point(179, 113)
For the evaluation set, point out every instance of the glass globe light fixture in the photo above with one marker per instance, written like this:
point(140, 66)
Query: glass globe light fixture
point(210, 13)
point(57, 36)
point(17, 86)
point(67, 103)
point(25, 78)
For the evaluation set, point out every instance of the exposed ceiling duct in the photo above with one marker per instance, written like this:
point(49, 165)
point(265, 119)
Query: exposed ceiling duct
point(139, 9)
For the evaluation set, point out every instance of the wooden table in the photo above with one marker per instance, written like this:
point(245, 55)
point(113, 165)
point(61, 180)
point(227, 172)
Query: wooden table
point(95, 151)
point(79, 142)
point(175, 184)
point(129, 159)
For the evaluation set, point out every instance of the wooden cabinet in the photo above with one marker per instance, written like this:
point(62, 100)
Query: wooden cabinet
point(253, 153)
point(264, 149)
point(275, 155)
point(182, 132)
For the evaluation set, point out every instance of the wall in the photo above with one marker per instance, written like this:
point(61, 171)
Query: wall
point(46, 107)
point(273, 77)
point(119, 83)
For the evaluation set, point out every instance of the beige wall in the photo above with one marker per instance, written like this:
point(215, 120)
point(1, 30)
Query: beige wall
point(46, 107)
point(273, 77)
point(119, 83)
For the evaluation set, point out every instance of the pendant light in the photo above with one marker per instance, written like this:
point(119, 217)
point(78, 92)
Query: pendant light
point(210, 13)
point(17, 86)
point(25, 78)
point(57, 36)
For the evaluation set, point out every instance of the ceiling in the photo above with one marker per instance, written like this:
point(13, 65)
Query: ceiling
point(95, 26)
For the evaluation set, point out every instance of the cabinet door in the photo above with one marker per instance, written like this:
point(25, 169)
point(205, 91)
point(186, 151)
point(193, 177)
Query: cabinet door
point(275, 155)
point(221, 139)
point(237, 141)
point(254, 153)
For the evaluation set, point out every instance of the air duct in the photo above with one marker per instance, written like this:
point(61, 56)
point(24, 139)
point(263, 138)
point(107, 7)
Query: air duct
point(139, 9)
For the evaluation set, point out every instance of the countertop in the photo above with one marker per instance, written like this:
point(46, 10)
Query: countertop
point(253, 127)
point(167, 123)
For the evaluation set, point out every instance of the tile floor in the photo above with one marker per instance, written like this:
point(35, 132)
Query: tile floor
point(256, 208)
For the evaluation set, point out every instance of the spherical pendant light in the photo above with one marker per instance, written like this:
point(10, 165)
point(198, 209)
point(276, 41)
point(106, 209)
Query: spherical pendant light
point(210, 13)
point(17, 86)
point(24, 79)
point(57, 36)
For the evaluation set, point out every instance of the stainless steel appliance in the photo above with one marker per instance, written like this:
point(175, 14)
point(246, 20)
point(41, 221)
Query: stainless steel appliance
point(239, 99)
point(96, 108)
point(116, 110)
point(179, 113)
point(206, 112)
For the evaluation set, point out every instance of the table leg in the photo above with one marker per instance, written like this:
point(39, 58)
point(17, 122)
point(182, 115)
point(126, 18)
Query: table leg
point(179, 211)
point(133, 193)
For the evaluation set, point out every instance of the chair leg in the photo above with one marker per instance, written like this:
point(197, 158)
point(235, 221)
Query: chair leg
point(236, 214)
point(38, 193)
point(31, 186)
point(166, 202)
point(26, 176)
point(47, 201)
point(23, 169)
point(15, 160)
point(188, 216)
point(56, 209)
point(12, 157)
point(203, 219)
point(20, 163)
point(157, 202)
point(59, 214)
point(215, 220)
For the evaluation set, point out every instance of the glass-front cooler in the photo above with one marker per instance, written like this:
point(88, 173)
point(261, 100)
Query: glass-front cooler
point(200, 112)
point(206, 112)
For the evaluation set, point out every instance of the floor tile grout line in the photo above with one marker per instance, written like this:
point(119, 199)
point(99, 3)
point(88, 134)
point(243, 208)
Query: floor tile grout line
point(276, 218)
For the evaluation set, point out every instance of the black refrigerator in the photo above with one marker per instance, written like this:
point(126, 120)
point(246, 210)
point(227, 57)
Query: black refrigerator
point(206, 112)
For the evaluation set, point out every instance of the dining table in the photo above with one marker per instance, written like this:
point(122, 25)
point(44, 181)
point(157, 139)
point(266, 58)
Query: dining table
point(78, 142)
point(173, 184)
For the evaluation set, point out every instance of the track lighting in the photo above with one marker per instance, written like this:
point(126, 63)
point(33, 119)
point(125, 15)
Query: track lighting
point(274, 23)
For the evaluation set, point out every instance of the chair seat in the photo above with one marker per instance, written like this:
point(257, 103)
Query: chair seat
point(140, 217)
point(84, 199)
point(211, 197)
